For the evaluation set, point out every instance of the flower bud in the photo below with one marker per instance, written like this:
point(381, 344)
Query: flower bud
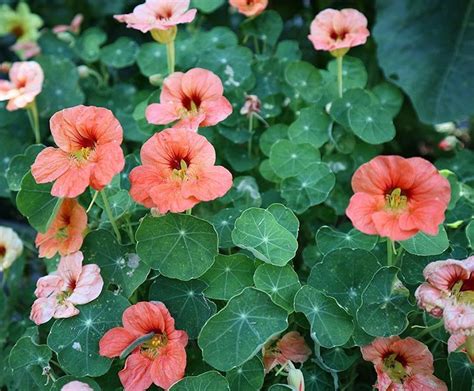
point(164, 36)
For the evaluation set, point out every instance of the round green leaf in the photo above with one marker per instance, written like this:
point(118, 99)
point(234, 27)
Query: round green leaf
point(76, 340)
point(331, 325)
point(339, 359)
point(119, 266)
point(185, 301)
point(372, 124)
point(266, 27)
point(178, 246)
point(223, 222)
point(247, 377)
point(328, 239)
point(36, 203)
point(238, 331)
point(209, 381)
point(285, 217)
point(271, 135)
point(423, 244)
point(244, 193)
point(385, 305)
point(390, 97)
point(258, 231)
point(20, 165)
point(229, 276)
point(207, 6)
point(306, 79)
point(289, 159)
point(316, 379)
point(281, 283)
point(27, 353)
point(120, 54)
point(341, 107)
point(351, 272)
point(87, 46)
point(266, 171)
point(151, 59)
point(311, 127)
point(311, 187)
point(354, 74)
point(461, 371)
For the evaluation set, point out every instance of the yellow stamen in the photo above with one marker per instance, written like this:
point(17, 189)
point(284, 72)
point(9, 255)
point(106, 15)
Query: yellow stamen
point(82, 154)
point(62, 233)
point(151, 348)
point(394, 368)
point(181, 173)
point(395, 200)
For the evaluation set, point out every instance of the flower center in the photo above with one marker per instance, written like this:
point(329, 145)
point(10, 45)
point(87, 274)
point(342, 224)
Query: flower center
point(393, 366)
point(463, 290)
point(396, 200)
point(3, 251)
point(338, 36)
point(61, 297)
point(82, 154)
point(191, 104)
point(62, 233)
point(152, 347)
point(181, 172)
point(17, 30)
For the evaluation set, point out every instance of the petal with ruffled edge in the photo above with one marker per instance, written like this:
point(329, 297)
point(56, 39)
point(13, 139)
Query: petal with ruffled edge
point(48, 286)
point(361, 208)
point(135, 376)
point(161, 113)
point(167, 197)
point(88, 286)
point(169, 366)
point(115, 341)
point(43, 310)
point(216, 111)
point(387, 225)
point(142, 178)
point(73, 182)
point(143, 318)
point(109, 161)
point(208, 183)
point(50, 164)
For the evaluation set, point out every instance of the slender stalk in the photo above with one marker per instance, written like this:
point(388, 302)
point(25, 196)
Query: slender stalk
point(389, 252)
point(251, 135)
point(92, 202)
point(110, 216)
point(339, 75)
point(129, 229)
point(428, 329)
point(170, 52)
point(32, 111)
point(189, 211)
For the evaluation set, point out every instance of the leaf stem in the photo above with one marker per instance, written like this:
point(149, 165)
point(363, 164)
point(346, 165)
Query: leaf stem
point(129, 229)
point(428, 329)
point(92, 202)
point(339, 74)
point(189, 211)
point(32, 111)
point(251, 135)
point(389, 252)
point(170, 53)
point(111, 216)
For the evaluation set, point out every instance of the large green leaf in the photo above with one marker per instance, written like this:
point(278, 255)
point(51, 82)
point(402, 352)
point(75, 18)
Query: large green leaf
point(36, 203)
point(462, 371)
point(247, 377)
point(328, 239)
point(385, 305)
point(311, 127)
point(289, 159)
point(177, 245)
point(331, 325)
point(185, 301)
point(20, 165)
point(423, 244)
point(258, 231)
point(26, 353)
point(209, 381)
point(119, 266)
point(238, 331)
point(76, 340)
point(433, 62)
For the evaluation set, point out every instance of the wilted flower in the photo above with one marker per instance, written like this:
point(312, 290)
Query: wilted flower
point(194, 99)
point(251, 106)
point(66, 233)
point(26, 82)
point(402, 364)
point(295, 378)
point(11, 247)
point(397, 197)
point(178, 172)
point(249, 7)
point(448, 143)
point(26, 50)
point(59, 292)
point(74, 27)
point(157, 348)
point(89, 151)
point(338, 31)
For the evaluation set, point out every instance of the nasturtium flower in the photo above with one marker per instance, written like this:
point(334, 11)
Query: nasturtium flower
point(251, 106)
point(194, 99)
point(178, 172)
point(89, 152)
point(21, 23)
point(249, 8)
point(402, 364)
point(74, 27)
point(26, 50)
point(290, 348)
point(66, 233)
point(76, 386)
point(338, 31)
point(396, 197)
point(158, 15)
point(26, 82)
point(11, 247)
point(157, 349)
point(59, 292)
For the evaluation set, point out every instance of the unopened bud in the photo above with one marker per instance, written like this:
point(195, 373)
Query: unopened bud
point(156, 80)
point(252, 105)
point(83, 71)
point(448, 143)
point(295, 379)
point(445, 127)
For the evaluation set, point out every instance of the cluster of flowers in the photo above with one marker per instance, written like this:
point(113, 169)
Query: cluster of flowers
point(395, 198)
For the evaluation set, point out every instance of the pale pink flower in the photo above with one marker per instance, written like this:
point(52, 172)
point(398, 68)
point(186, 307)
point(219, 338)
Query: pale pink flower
point(249, 7)
point(459, 317)
point(26, 82)
point(194, 99)
point(59, 292)
point(457, 342)
point(76, 386)
point(402, 365)
point(333, 30)
point(158, 15)
point(26, 50)
point(251, 106)
point(74, 27)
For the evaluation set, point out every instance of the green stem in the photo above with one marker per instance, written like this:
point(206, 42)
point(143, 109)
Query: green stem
point(170, 52)
point(251, 135)
point(110, 216)
point(129, 229)
point(189, 211)
point(92, 202)
point(339, 75)
point(32, 111)
point(428, 329)
point(389, 252)
point(470, 346)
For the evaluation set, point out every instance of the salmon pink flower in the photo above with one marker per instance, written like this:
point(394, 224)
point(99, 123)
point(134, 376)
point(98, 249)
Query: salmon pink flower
point(26, 82)
point(397, 197)
point(89, 151)
point(402, 364)
point(26, 50)
point(178, 172)
point(76, 386)
point(338, 31)
point(249, 8)
point(290, 348)
point(59, 292)
point(194, 99)
point(459, 342)
point(66, 233)
point(158, 15)
point(157, 348)
point(11, 247)
point(74, 27)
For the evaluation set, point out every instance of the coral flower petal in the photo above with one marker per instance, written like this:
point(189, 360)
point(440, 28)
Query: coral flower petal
point(169, 366)
point(115, 341)
point(135, 376)
point(143, 318)
point(249, 8)
point(53, 163)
